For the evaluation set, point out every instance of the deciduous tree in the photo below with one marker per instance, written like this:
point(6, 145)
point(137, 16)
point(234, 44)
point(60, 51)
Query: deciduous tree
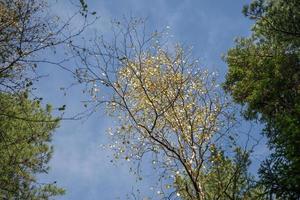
point(27, 29)
point(168, 108)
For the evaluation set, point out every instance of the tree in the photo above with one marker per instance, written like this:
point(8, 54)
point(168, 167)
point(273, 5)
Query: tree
point(167, 107)
point(228, 178)
point(26, 31)
point(263, 75)
point(25, 135)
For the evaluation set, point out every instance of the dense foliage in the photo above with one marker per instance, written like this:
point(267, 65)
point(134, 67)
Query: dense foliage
point(264, 75)
point(25, 135)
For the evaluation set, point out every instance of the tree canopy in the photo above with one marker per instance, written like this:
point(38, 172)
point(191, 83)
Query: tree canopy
point(25, 135)
point(264, 75)
point(26, 31)
point(168, 109)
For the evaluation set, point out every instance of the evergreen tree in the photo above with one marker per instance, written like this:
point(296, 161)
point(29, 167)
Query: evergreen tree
point(264, 75)
point(25, 135)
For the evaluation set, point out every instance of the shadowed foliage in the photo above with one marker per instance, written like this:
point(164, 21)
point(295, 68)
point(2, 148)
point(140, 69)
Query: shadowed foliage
point(264, 75)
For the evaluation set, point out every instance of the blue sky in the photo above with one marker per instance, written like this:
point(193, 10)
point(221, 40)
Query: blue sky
point(79, 163)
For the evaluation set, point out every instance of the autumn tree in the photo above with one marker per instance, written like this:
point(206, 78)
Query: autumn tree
point(263, 76)
point(27, 29)
point(169, 108)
